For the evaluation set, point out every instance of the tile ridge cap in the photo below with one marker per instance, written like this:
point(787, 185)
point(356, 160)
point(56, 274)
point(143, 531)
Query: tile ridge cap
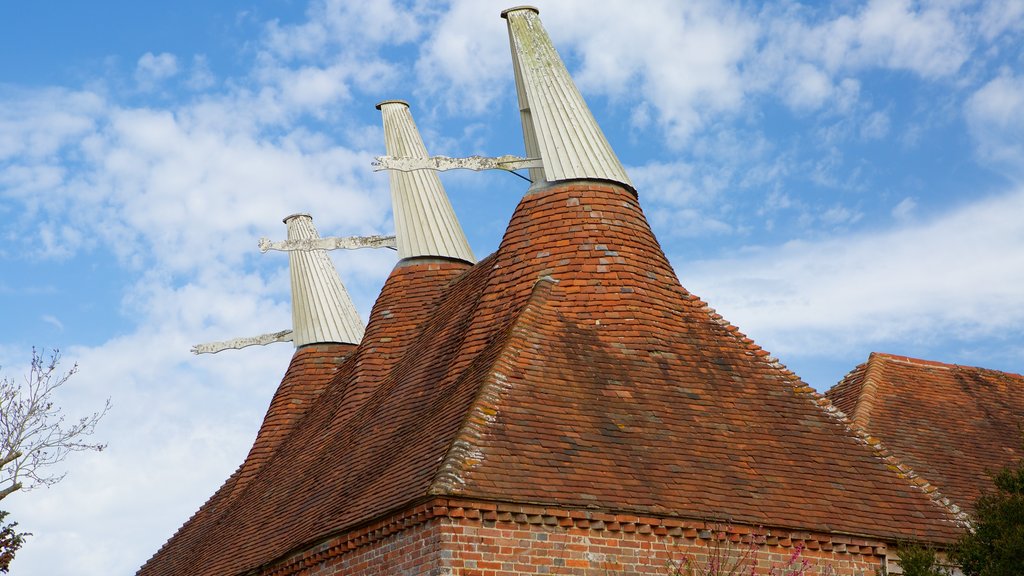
point(946, 365)
point(915, 361)
point(449, 476)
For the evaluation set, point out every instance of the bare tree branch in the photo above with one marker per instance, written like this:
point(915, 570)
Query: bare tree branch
point(34, 434)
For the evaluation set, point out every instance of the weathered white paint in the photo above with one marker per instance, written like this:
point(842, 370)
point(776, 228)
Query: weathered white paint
point(239, 343)
point(442, 163)
point(322, 310)
point(330, 243)
point(558, 127)
point(425, 222)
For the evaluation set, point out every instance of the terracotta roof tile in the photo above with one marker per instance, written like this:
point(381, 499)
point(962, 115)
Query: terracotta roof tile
point(309, 371)
point(570, 368)
point(907, 403)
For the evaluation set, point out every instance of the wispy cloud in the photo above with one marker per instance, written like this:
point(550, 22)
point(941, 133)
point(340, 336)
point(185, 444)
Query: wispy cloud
point(955, 276)
point(53, 321)
point(995, 114)
point(152, 69)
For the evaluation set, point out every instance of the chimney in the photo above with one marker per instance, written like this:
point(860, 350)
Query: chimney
point(322, 311)
point(425, 222)
point(558, 127)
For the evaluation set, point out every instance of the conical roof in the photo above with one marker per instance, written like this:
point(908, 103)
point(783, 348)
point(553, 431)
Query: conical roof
point(322, 310)
point(558, 127)
point(425, 223)
point(570, 369)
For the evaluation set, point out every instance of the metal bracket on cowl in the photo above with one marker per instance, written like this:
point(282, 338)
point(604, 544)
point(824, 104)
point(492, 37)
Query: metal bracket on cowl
point(443, 163)
point(330, 243)
point(239, 343)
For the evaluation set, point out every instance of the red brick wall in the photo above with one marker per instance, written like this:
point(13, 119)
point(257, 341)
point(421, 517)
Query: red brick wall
point(508, 540)
point(509, 549)
point(417, 551)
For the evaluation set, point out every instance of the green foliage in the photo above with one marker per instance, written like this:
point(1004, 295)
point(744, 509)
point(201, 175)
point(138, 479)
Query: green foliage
point(996, 545)
point(10, 542)
point(918, 561)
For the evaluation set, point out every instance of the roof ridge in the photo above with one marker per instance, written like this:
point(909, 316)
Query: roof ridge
point(938, 364)
point(461, 453)
point(801, 388)
point(911, 360)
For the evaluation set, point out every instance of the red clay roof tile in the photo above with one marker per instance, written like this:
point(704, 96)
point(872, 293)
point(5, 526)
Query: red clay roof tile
point(570, 368)
point(907, 403)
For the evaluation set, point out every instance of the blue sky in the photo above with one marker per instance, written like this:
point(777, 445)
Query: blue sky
point(835, 180)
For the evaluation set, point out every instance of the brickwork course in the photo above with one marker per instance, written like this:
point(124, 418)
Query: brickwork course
point(563, 406)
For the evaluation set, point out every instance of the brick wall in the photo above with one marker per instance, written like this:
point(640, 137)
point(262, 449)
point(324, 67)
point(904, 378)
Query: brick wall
point(417, 551)
point(510, 549)
point(489, 539)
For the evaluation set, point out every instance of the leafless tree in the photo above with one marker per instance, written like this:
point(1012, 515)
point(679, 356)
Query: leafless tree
point(34, 434)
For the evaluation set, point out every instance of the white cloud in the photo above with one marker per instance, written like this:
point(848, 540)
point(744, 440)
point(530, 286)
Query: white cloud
point(898, 34)
point(905, 209)
point(200, 76)
point(53, 321)
point(807, 88)
point(810, 64)
point(462, 61)
point(38, 123)
point(995, 115)
point(875, 126)
point(686, 61)
point(152, 69)
point(999, 16)
point(958, 275)
point(333, 24)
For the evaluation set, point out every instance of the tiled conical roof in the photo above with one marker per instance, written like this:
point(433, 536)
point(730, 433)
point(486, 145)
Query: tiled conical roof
point(568, 369)
point(558, 127)
point(425, 222)
point(322, 310)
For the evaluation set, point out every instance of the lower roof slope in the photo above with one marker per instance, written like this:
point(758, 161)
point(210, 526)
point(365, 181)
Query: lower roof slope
point(954, 425)
point(568, 368)
point(311, 368)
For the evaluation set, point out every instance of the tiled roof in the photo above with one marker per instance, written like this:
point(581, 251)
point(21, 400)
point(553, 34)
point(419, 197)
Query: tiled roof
point(309, 371)
point(568, 368)
point(951, 424)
